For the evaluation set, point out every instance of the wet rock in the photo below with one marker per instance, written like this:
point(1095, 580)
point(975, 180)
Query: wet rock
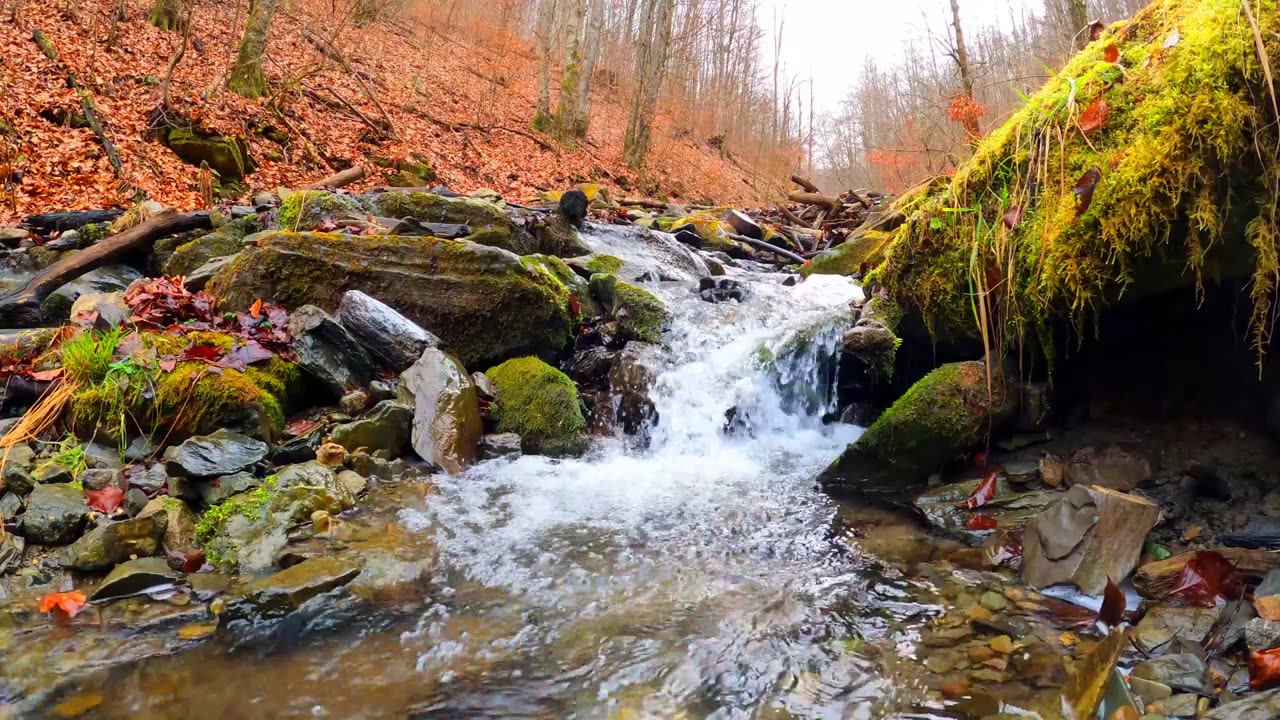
point(634, 371)
point(116, 542)
point(1183, 671)
point(1260, 532)
point(941, 416)
point(1163, 623)
point(104, 280)
point(220, 453)
point(1176, 706)
point(150, 479)
point(328, 351)
point(134, 502)
point(993, 601)
point(1021, 471)
point(1053, 471)
point(869, 341)
point(133, 576)
point(280, 594)
point(1009, 508)
point(721, 289)
point(1259, 706)
point(446, 412)
point(369, 466)
point(1089, 535)
point(1149, 690)
point(1112, 467)
point(484, 387)
point(589, 367)
point(100, 478)
point(387, 334)
point(55, 514)
point(540, 404)
point(1260, 634)
point(380, 390)
point(499, 445)
point(353, 482)
point(50, 472)
point(298, 449)
point(354, 402)
point(180, 522)
point(388, 426)
point(1159, 578)
point(207, 585)
point(199, 278)
point(221, 488)
point(639, 314)
point(101, 311)
point(101, 457)
point(10, 505)
point(12, 548)
point(17, 469)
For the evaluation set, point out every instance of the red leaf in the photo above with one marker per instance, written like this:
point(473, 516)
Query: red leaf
point(255, 309)
point(1264, 668)
point(574, 307)
point(1111, 613)
point(983, 493)
point(107, 500)
point(300, 427)
point(1094, 116)
point(1084, 190)
point(980, 460)
point(1112, 54)
point(68, 604)
point(47, 375)
point(1068, 614)
point(202, 352)
point(1206, 577)
point(242, 356)
point(981, 522)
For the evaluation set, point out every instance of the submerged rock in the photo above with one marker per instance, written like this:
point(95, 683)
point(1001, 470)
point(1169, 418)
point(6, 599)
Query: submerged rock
point(388, 426)
point(446, 412)
point(631, 377)
point(280, 594)
point(327, 350)
point(941, 416)
point(220, 453)
point(499, 445)
point(1259, 706)
point(107, 545)
point(395, 339)
point(55, 514)
point(540, 404)
point(134, 576)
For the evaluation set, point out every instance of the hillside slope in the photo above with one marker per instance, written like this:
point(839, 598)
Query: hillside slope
point(429, 84)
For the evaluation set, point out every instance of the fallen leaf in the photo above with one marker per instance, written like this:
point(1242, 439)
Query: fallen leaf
point(1111, 613)
point(1264, 669)
point(301, 427)
point(1111, 54)
point(981, 522)
point(1069, 614)
point(1013, 218)
point(107, 500)
point(68, 603)
point(1068, 640)
point(1192, 533)
point(983, 493)
point(1205, 578)
point(255, 309)
point(1094, 116)
point(168, 364)
point(1084, 188)
point(48, 375)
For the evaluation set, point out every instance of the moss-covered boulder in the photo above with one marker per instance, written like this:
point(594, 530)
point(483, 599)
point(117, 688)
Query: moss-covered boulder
point(857, 254)
point(310, 209)
point(577, 285)
point(226, 240)
point(484, 303)
point(540, 404)
point(639, 314)
point(708, 226)
point(557, 236)
point(479, 215)
point(227, 155)
point(946, 413)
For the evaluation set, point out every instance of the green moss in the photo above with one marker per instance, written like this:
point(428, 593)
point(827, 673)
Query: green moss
point(640, 314)
point(226, 240)
point(429, 207)
point(227, 155)
point(29, 345)
point(42, 257)
point(604, 264)
point(539, 403)
point(852, 256)
point(557, 236)
point(309, 209)
point(555, 270)
point(251, 504)
point(708, 225)
point(92, 233)
point(88, 355)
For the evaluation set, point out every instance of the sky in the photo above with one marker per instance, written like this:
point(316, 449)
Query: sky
point(835, 37)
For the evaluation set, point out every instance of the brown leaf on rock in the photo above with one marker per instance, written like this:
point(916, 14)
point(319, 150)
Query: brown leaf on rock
point(1111, 613)
point(1084, 188)
point(1207, 577)
point(1094, 116)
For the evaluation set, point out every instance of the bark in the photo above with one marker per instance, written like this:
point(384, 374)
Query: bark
point(21, 308)
point(167, 14)
point(651, 61)
point(1078, 16)
point(568, 124)
point(546, 19)
point(355, 173)
point(966, 72)
point(594, 40)
point(247, 77)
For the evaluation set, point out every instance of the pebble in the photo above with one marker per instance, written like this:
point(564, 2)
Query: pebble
point(1002, 644)
point(939, 664)
point(980, 613)
point(1149, 690)
point(1013, 594)
point(980, 653)
point(993, 601)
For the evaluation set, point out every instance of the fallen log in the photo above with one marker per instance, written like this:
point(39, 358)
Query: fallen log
point(806, 184)
point(762, 245)
point(21, 308)
point(46, 223)
point(640, 202)
point(813, 198)
point(793, 218)
point(352, 174)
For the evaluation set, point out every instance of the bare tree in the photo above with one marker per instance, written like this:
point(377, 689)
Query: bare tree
point(1078, 13)
point(568, 122)
point(543, 32)
point(247, 77)
point(651, 62)
point(167, 14)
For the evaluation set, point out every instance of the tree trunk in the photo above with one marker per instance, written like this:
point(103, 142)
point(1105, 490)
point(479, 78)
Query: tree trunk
point(567, 123)
point(594, 40)
point(546, 19)
point(167, 14)
point(651, 60)
point(247, 77)
point(1078, 15)
point(966, 73)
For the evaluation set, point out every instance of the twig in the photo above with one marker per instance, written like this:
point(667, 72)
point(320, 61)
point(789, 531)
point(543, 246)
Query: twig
point(762, 245)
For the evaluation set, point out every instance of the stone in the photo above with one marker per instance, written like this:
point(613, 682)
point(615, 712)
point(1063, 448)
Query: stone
point(1089, 535)
point(1112, 467)
point(394, 339)
point(221, 488)
point(102, 457)
point(17, 469)
point(328, 351)
point(100, 478)
point(55, 514)
point(140, 449)
point(721, 289)
point(101, 311)
point(354, 402)
point(298, 449)
point(369, 466)
point(589, 369)
point(387, 426)
point(1260, 634)
point(10, 505)
point(446, 412)
point(352, 481)
point(1176, 706)
point(1010, 508)
point(1021, 471)
point(331, 455)
point(946, 413)
point(1157, 579)
point(993, 601)
point(1002, 644)
point(207, 585)
point(1053, 471)
point(180, 522)
point(1149, 690)
point(109, 279)
point(149, 479)
point(540, 404)
point(1182, 671)
point(115, 542)
point(50, 472)
point(631, 377)
point(133, 576)
point(191, 256)
point(380, 390)
point(639, 314)
point(869, 341)
point(1258, 706)
point(484, 387)
point(228, 155)
point(278, 595)
point(1162, 623)
point(200, 277)
point(134, 502)
point(220, 453)
point(498, 445)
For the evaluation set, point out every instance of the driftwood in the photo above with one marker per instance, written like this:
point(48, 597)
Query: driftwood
point(812, 198)
point(21, 308)
point(355, 173)
point(792, 218)
point(641, 202)
point(46, 223)
point(762, 245)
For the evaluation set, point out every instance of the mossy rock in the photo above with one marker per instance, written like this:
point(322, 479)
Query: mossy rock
point(226, 155)
point(576, 284)
point(640, 315)
point(309, 209)
point(483, 302)
point(607, 264)
point(25, 346)
point(475, 213)
point(226, 240)
point(708, 225)
point(947, 412)
point(598, 196)
point(540, 404)
point(557, 236)
point(855, 254)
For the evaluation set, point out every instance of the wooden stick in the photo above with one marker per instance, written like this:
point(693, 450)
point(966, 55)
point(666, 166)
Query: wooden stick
point(21, 308)
point(793, 218)
point(355, 173)
point(762, 245)
point(806, 184)
point(811, 198)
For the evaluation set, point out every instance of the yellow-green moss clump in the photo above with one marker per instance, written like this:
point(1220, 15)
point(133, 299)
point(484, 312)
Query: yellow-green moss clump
point(309, 209)
point(1186, 165)
point(128, 397)
point(226, 240)
point(539, 403)
point(708, 225)
point(475, 213)
point(850, 256)
point(640, 314)
point(604, 264)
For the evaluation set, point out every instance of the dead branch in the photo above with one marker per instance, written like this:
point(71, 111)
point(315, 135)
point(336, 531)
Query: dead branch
point(762, 245)
point(355, 173)
point(806, 184)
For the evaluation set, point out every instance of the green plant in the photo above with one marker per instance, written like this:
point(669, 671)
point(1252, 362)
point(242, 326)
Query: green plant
point(70, 454)
point(87, 357)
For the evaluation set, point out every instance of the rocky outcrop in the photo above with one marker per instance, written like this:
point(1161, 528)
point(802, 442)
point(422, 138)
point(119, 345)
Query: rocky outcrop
point(446, 413)
point(220, 453)
point(445, 286)
point(489, 224)
point(540, 404)
point(226, 240)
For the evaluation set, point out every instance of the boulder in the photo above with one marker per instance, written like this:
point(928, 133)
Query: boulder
point(225, 154)
point(278, 595)
point(109, 279)
point(150, 479)
point(221, 488)
point(490, 225)
point(1112, 467)
point(219, 453)
point(540, 404)
point(394, 339)
point(327, 351)
point(199, 278)
point(134, 576)
point(944, 414)
point(50, 472)
point(17, 469)
point(498, 445)
point(101, 311)
point(180, 521)
point(869, 341)
point(557, 236)
point(116, 542)
point(446, 286)
point(388, 426)
point(1089, 535)
point(640, 315)
point(446, 412)
point(55, 514)
point(298, 449)
point(223, 242)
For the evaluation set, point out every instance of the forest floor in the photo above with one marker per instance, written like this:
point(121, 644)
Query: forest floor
point(429, 83)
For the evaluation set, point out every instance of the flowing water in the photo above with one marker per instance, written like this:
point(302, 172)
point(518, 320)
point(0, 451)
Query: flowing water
point(695, 576)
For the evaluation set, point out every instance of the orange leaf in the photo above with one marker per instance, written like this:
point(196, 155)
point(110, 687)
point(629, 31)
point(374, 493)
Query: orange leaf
point(1094, 116)
point(255, 309)
point(1112, 54)
point(67, 603)
point(983, 493)
point(1264, 669)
